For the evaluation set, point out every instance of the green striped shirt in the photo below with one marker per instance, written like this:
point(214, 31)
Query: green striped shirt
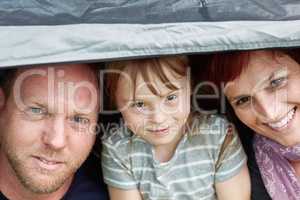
point(128, 162)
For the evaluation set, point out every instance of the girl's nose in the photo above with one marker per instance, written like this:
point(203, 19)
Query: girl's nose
point(157, 115)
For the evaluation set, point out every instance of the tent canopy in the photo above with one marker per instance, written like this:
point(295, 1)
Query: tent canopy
point(44, 31)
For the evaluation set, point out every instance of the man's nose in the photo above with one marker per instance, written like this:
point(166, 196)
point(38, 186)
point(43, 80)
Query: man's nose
point(55, 135)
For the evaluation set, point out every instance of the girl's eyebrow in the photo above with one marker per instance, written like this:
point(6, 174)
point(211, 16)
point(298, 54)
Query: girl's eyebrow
point(170, 92)
point(143, 96)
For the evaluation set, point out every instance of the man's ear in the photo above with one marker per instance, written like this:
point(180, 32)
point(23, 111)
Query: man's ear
point(2, 98)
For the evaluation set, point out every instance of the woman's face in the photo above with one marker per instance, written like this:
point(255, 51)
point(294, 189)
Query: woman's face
point(266, 96)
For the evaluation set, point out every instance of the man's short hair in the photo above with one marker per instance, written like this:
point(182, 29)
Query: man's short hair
point(8, 76)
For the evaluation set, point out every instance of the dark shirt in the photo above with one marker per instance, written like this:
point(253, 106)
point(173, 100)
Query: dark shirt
point(87, 183)
point(2, 197)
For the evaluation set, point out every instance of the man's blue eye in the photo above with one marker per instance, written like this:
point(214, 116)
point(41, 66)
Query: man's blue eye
point(36, 110)
point(81, 120)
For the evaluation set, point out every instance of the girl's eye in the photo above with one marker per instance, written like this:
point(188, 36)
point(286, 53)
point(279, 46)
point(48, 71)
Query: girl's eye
point(81, 120)
point(172, 97)
point(138, 104)
point(277, 82)
point(242, 101)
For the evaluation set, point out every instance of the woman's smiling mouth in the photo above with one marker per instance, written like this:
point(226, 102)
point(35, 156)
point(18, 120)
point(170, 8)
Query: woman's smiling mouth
point(284, 121)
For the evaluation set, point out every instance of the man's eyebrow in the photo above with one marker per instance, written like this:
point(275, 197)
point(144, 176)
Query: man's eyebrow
point(76, 112)
point(34, 102)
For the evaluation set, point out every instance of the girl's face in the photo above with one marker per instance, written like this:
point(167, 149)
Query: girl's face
point(158, 119)
point(266, 96)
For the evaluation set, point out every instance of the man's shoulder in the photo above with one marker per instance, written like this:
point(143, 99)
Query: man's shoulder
point(2, 197)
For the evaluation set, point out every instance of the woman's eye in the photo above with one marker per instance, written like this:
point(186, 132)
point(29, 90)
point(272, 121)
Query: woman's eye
point(242, 101)
point(277, 82)
point(81, 120)
point(172, 97)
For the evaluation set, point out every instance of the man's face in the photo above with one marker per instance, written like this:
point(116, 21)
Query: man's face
point(46, 125)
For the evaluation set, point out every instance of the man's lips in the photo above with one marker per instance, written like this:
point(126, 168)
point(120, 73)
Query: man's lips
point(46, 163)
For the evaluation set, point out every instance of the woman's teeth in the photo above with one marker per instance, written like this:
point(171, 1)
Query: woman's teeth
point(284, 121)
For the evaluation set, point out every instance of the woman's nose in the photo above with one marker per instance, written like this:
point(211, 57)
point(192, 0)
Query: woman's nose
point(269, 107)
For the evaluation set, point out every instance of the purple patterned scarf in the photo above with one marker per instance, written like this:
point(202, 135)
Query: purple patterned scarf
point(277, 173)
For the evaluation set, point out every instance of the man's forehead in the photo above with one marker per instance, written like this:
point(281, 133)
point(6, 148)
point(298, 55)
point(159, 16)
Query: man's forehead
point(68, 68)
point(58, 73)
point(63, 83)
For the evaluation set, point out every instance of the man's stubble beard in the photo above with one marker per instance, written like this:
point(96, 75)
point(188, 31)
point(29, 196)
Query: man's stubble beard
point(28, 176)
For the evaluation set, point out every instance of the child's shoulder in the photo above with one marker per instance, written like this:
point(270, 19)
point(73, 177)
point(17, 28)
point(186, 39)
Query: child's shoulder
point(122, 145)
point(207, 124)
point(117, 137)
point(209, 119)
point(121, 139)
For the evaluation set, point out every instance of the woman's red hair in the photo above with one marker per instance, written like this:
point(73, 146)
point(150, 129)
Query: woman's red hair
point(227, 66)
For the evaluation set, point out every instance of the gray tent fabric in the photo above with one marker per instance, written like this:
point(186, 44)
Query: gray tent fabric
point(57, 12)
point(51, 31)
point(24, 45)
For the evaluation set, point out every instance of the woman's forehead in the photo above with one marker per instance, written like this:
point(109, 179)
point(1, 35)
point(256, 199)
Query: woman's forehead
point(261, 67)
